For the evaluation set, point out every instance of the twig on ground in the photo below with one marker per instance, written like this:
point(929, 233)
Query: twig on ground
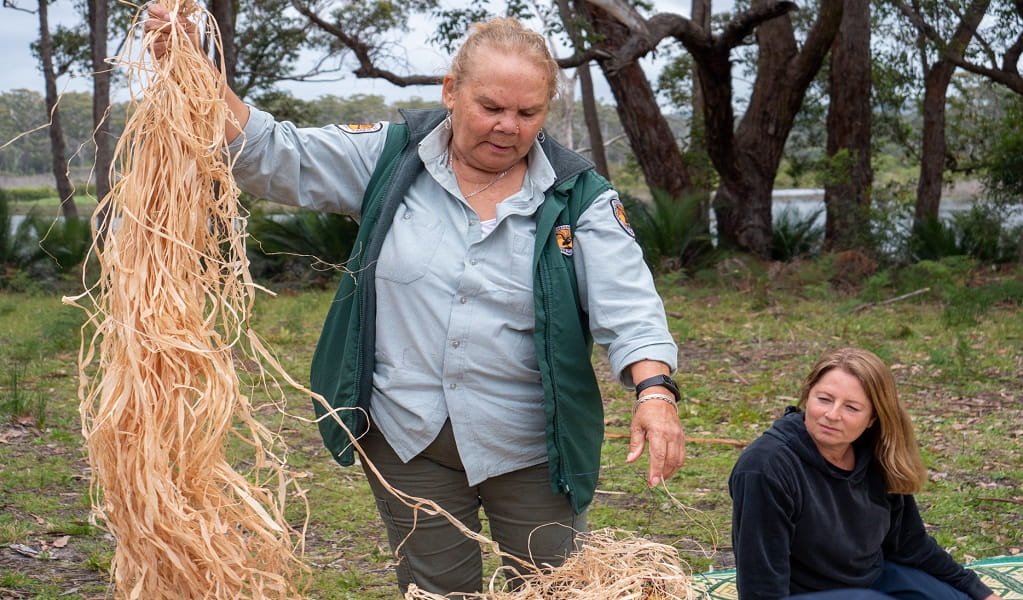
point(867, 305)
point(1009, 500)
point(695, 440)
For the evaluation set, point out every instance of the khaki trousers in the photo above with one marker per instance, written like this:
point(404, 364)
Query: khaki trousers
point(526, 519)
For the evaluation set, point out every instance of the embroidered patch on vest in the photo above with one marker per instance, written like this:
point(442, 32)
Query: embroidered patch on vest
point(619, 211)
point(360, 127)
point(564, 233)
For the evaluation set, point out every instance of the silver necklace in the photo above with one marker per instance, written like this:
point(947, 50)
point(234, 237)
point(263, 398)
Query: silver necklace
point(485, 187)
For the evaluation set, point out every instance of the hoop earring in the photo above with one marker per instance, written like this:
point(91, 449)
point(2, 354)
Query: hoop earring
point(540, 137)
point(447, 121)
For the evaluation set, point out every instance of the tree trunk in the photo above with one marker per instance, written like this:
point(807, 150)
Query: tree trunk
point(936, 82)
point(747, 161)
point(650, 137)
point(700, 165)
point(933, 145)
point(847, 192)
point(227, 55)
point(58, 147)
point(98, 19)
point(597, 152)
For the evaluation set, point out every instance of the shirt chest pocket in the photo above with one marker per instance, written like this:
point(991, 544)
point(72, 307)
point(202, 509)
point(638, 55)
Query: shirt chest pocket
point(409, 247)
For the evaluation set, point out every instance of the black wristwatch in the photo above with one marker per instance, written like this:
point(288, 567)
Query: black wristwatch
point(662, 380)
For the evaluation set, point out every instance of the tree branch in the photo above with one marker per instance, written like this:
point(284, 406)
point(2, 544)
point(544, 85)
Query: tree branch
point(647, 34)
point(363, 52)
point(11, 4)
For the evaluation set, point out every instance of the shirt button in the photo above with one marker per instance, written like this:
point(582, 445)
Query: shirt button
point(452, 386)
point(456, 344)
point(407, 216)
point(472, 261)
point(463, 299)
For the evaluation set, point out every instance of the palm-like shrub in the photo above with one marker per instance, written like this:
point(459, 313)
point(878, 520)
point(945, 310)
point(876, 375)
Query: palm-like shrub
point(305, 246)
point(982, 232)
point(670, 231)
point(796, 234)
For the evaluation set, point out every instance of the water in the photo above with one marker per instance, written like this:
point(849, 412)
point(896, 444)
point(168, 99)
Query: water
point(806, 201)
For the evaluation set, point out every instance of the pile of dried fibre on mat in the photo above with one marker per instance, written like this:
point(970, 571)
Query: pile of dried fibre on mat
point(159, 393)
point(610, 565)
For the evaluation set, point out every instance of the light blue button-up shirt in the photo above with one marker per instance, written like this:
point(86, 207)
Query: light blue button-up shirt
point(454, 333)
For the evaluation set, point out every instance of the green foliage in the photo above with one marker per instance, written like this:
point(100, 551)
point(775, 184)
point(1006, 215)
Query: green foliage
point(269, 39)
point(62, 243)
point(933, 238)
point(15, 245)
point(670, 231)
point(796, 235)
point(303, 245)
point(39, 249)
point(454, 24)
point(286, 107)
point(966, 305)
point(28, 194)
point(1004, 173)
point(981, 232)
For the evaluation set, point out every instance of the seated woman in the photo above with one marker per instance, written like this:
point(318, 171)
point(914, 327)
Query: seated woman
point(823, 500)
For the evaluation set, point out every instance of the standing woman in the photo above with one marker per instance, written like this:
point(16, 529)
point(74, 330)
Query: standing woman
point(823, 500)
point(488, 260)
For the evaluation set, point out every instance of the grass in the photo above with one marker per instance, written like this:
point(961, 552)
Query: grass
point(746, 334)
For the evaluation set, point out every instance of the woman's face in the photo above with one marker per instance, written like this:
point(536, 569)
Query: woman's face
point(497, 110)
point(837, 412)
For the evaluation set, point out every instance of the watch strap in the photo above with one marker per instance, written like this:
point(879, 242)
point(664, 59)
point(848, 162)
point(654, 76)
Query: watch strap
point(661, 380)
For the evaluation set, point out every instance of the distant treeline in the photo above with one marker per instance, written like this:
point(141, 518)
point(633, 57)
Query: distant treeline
point(23, 113)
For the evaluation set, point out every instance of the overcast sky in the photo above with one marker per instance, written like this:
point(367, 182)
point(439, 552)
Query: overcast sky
point(19, 29)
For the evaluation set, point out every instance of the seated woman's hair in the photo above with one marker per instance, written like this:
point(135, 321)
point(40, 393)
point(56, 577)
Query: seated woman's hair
point(895, 446)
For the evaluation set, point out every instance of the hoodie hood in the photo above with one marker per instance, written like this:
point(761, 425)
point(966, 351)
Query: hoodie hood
point(791, 430)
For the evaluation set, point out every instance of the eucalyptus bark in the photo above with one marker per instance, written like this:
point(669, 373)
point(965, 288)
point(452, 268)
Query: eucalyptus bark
point(227, 53)
point(590, 115)
point(933, 143)
point(98, 15)
point(58, 147)
point(747, 158)
point(847, 191)
point(652, 141)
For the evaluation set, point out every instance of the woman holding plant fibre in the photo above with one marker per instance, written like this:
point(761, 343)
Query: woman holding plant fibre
point(488, 260)
point(823, 500)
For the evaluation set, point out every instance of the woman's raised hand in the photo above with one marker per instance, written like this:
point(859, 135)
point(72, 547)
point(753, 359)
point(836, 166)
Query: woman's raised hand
point(159, 29)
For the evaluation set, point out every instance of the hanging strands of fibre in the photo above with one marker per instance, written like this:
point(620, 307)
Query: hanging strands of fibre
point(610, 565)
point(159, 390)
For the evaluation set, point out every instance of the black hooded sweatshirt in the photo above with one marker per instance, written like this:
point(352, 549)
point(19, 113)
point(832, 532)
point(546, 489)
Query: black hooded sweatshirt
point(801, 524)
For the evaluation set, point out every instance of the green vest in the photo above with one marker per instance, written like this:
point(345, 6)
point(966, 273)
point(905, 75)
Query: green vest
point(343, 364)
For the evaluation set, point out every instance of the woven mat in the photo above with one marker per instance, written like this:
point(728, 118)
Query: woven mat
point(1003, 574)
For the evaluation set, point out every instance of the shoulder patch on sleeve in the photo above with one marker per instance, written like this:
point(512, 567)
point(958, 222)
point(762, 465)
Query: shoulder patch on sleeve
point(619, 212)
point(360, 127)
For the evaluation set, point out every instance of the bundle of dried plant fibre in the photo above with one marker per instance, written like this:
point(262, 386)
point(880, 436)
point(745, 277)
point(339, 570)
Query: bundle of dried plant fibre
point(610, 565)
point(159, 393)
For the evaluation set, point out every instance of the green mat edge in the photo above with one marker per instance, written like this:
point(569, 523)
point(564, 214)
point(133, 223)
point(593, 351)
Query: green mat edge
point(980, 562)
point(712, 583)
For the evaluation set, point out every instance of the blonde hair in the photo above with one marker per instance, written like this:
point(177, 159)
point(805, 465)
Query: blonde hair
point(895, 447)
point(509, 35)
